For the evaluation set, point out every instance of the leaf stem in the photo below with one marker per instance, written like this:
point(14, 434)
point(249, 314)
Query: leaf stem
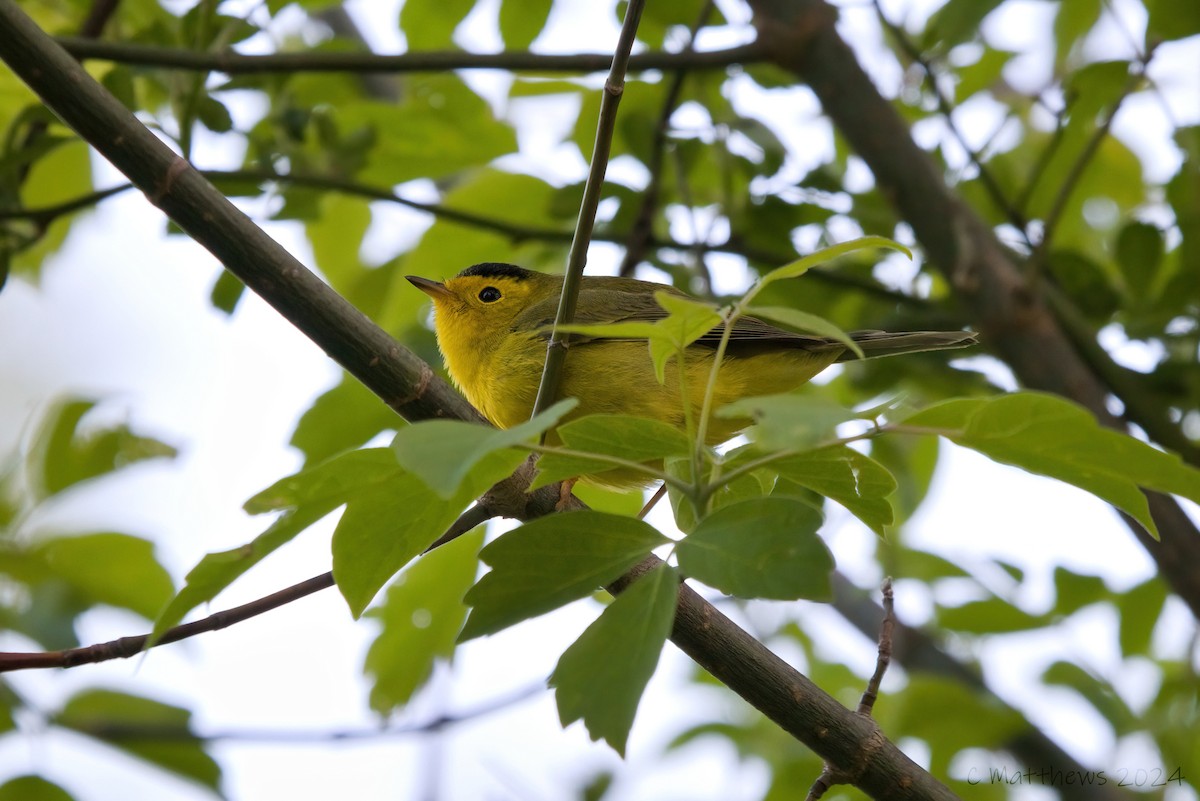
point(615, 461)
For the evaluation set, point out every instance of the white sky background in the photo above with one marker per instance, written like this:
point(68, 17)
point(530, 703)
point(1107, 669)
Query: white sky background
point(123, 314)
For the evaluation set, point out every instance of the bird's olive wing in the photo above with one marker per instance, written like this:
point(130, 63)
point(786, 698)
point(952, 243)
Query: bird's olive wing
point(600, 305)
point(597, 306)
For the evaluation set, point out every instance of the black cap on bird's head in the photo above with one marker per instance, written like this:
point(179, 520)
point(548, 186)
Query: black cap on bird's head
point(495, 269)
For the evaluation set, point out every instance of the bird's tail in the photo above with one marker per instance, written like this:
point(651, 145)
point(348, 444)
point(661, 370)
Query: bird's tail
point(882, 343)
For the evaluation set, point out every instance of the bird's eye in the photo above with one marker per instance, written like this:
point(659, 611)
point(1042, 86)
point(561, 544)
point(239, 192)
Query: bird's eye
point(489, 294)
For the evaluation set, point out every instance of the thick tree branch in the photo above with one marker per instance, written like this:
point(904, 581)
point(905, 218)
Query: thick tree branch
point(1013, 319)
point(410, 387)
point(232, 63)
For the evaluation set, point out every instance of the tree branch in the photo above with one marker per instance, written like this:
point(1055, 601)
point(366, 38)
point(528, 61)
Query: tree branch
point(518, 232)
point(126, 647)
point(831, 774)
point(614, 87)
point(990, 184)
point(643, 222)
point(1015, 321)
point(1050, 224)
point(233, 63)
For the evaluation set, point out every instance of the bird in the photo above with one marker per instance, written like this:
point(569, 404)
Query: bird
point(493, 322)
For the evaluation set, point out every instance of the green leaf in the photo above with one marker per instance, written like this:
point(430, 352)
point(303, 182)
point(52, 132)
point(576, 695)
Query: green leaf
point(521, 21)
point(429, 24)
point(799, 267)
point(442, 452)
point(1170, 20)
point(1047, 435)
point(956, 22)
point(760, 548)
point(385, 527)
point(682, 504)
point(327, 485)
point(924, 566)
point(421, 617)
point(854, 480)
point(61, 174)
point(600, 678)
point(1140, 608)
point(33, 788)
point(346, 416)
point(789, 421)
point(1099, 693)
point(336, 235)
point(129, 722)
point(305, 497)
point(1071, 24)
point(1140, 250)
point(216, 571)
point(110, 568)
point(226, 292)
point(911, 461)
point(213, 114)
point(1088, 284)
point(552, 561)
point(939, 709)
point(1073, 591)
point(984, 74)
point(989, 616)
point(636, 439)
point(439, 128)
point(63, 455)
point(687, 320)
point(808, 323)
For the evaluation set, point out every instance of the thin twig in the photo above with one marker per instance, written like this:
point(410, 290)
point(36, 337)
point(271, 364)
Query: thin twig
point(518, 232)
point(132, 732)
point(832, 775)
point(884, 655)
point(1050, 224)
point(99, 14)
point(232, 63)
point(643, 223)
point(614, 87)
point(990, 184)
point(126, 647)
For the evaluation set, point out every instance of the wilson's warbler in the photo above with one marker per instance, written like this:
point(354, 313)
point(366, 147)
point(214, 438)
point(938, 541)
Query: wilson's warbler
point(493, 322)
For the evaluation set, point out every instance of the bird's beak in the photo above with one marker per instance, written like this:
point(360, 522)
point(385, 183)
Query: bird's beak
point(434, 289)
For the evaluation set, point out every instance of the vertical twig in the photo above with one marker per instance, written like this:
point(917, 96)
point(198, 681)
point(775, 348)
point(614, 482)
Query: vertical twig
point(614, 87)
point(640, 233)
point(990, 184)
point(831, 774)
